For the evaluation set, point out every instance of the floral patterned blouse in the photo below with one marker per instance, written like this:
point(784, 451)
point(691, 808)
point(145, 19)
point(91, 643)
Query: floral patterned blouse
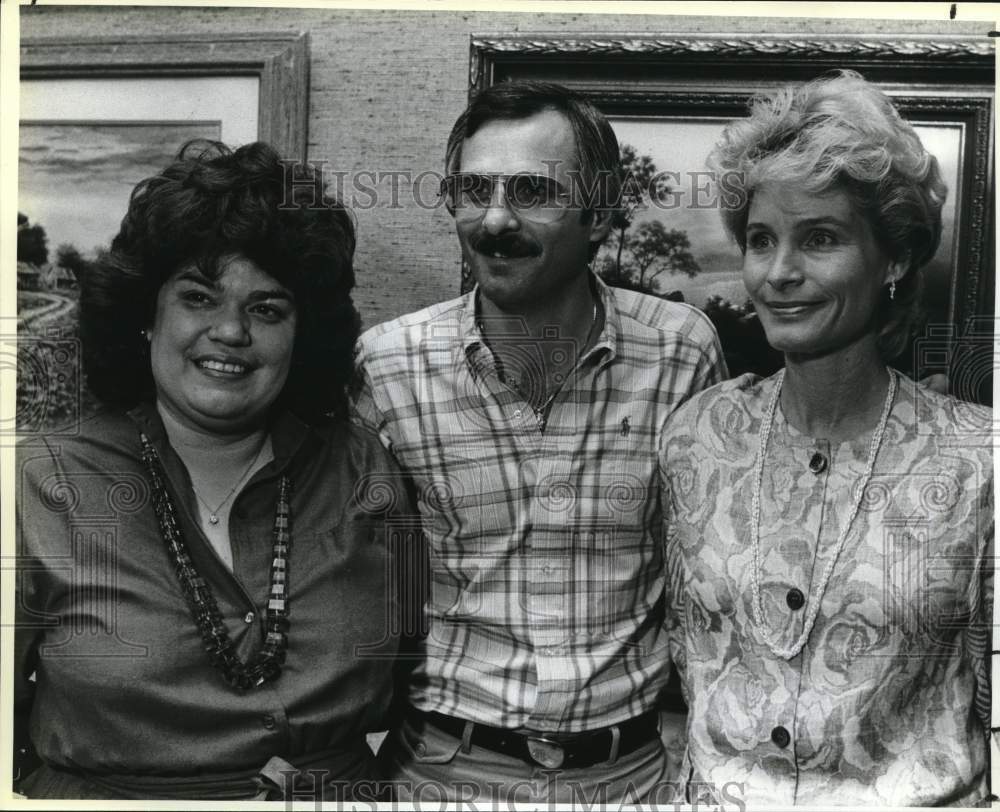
point(888, 703)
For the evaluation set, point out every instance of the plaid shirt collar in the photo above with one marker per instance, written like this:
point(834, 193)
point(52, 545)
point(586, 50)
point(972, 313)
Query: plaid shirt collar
point(472, 337)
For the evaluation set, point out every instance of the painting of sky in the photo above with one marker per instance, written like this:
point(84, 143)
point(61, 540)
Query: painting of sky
point(75, 178)
point(682, 145)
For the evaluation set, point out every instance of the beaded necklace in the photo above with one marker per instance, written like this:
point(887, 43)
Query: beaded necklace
point(265, 665)
point(765, 433)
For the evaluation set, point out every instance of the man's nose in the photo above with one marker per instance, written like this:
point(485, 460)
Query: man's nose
point(499, 216)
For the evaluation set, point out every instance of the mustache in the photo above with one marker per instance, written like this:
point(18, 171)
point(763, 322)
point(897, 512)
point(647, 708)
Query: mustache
point(510, 245)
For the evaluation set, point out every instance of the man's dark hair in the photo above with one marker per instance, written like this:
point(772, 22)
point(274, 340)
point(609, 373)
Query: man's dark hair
point(597, 148)
point(212, 202)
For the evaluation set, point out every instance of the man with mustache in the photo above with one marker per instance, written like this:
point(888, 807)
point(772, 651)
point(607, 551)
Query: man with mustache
point(528, 414)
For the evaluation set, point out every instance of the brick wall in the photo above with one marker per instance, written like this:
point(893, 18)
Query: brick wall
point(386, 87)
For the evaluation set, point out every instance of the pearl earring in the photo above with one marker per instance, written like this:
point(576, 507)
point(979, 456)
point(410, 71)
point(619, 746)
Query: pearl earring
point(892, 289)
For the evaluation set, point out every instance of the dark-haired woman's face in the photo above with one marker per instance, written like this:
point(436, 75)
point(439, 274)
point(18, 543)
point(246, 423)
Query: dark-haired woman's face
point(221, 349)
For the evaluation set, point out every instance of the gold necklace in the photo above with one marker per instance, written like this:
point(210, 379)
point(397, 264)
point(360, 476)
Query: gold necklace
point(542, 412)
point(213, 515)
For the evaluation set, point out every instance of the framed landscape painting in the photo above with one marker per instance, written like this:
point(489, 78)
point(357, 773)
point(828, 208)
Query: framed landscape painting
point(98, 115)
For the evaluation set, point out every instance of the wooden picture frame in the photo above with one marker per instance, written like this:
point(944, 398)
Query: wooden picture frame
point(280, 61)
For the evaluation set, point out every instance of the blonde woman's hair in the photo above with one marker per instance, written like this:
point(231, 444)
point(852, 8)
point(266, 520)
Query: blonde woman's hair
point(841, 132)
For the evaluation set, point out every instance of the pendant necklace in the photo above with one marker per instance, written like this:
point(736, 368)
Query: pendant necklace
point(213, 515)
point(265, 665)
point(766, 424)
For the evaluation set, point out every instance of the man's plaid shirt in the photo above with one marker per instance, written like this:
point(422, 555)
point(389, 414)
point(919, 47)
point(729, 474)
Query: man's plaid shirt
point(546, 553)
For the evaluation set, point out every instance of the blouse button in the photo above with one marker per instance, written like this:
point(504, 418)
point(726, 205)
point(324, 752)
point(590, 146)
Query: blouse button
point(269, 722)
point(817, 464)
point(795, 599)
point(421, 749)
point(248, 617)
point(780, 736)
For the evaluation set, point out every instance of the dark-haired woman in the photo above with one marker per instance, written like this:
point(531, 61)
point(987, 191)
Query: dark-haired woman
point(202, 603)
point(832, 526)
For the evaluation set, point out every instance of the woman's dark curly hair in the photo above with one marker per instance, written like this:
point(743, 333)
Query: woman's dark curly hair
point(209, 203)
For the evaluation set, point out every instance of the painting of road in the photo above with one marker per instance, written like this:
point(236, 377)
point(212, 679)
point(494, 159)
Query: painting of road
point(75, 178)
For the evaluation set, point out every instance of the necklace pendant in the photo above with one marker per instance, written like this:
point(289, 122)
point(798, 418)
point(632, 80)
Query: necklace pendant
point(213, 519)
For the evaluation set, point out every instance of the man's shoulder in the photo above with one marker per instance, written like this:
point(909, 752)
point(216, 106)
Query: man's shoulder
point(644, 313)
point(442, 317)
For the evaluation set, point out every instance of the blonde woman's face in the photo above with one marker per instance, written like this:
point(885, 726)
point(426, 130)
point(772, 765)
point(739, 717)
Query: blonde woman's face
point(813, 268)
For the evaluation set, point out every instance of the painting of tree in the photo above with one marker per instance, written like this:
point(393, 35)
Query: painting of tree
point(636, 258)
point(32, 242)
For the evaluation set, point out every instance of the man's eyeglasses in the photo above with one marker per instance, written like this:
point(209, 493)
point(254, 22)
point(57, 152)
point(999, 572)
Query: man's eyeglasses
point(538, 198)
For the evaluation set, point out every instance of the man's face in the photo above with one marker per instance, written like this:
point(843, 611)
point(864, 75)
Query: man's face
point(519, 263)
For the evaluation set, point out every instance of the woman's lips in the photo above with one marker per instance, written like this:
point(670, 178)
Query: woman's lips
point(220, 367)
point(791, 308)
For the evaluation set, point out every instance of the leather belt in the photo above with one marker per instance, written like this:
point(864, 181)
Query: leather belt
point(574, 750)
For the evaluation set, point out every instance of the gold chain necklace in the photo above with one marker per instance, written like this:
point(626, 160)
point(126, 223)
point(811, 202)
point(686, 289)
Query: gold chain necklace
point(814, 604)
point(213, 515)
point(542, 412)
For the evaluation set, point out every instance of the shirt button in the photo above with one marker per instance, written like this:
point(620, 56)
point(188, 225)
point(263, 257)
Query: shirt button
point(795, 599)
point(517, 414)
point(248, 617)
point(268, 722)
point(817, 464)
point(547, 569)
point(780, 736)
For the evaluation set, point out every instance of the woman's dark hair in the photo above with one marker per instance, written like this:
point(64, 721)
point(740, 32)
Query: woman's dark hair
point(212, 202)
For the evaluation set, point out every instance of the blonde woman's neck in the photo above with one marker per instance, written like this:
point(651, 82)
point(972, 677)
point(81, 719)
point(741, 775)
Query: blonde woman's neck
point(837, 396)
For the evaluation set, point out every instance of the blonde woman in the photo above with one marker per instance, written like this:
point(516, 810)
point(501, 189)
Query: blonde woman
point(831, 526)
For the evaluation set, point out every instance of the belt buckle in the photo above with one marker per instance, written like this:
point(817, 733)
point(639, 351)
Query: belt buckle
point(547, 752)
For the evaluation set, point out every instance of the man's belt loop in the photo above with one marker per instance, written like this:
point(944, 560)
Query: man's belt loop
point(616, 740)
point(467, 737)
